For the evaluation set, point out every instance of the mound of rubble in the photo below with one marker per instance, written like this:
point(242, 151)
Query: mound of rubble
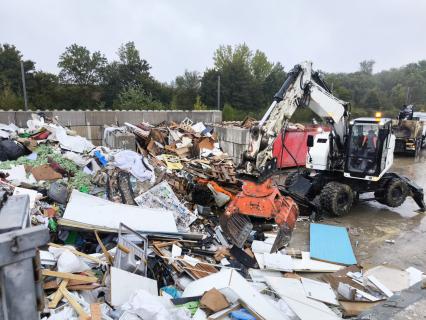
point(133, 232)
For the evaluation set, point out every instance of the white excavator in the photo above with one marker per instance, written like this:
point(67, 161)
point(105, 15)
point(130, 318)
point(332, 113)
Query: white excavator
point(351, 158)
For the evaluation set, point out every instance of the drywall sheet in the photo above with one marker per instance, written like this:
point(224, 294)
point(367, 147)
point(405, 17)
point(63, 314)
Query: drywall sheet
point(241, 287)
point(319, 291)
point(306, 264)
point(92, 210)
point(124, 283)
point(292, 292)
point(393, 279)
point(331, 243)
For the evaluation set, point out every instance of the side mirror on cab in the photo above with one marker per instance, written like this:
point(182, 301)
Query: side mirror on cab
point(310, 141)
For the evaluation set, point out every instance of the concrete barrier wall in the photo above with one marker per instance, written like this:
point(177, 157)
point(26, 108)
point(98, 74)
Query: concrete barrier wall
point(90, 124)
point(232, 140)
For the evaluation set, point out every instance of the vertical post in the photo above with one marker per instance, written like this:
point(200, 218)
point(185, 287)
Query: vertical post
point(218, 92)
point(407, 97)
point(24, 88)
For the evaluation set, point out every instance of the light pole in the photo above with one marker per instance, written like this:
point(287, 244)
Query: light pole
point(218, 92)
point(24, 88)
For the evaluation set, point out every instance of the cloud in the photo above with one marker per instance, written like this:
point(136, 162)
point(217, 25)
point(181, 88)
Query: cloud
point(178, 35)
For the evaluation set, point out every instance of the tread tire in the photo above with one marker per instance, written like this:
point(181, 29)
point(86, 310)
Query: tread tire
point(336, 198)
point(395, 193)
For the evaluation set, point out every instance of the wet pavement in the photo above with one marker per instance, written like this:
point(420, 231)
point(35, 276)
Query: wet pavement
point(370, 224)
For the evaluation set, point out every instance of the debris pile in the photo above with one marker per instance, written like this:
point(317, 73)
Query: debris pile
point(135, 233)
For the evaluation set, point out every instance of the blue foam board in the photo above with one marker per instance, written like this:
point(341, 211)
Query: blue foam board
point(331, 244)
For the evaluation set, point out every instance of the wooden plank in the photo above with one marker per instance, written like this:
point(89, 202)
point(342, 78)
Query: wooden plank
point(76, 252)
point(104, 249)
point(66, 275)
point(95, 311)
point(58, 294)
point(76, 306)
point(331, 243)
point(82, 287)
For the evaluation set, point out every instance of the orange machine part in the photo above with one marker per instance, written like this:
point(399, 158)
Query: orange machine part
point(264, 200)
point(217, 187)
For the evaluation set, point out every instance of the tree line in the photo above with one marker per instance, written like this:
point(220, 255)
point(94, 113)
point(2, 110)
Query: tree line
point(248, 81)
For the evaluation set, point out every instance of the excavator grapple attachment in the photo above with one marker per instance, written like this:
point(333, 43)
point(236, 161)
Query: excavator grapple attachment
point(262, 200)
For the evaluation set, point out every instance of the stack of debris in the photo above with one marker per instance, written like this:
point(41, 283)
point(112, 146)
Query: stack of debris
point(136, 234)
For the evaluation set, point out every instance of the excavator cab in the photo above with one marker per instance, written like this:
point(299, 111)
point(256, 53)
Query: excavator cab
point(369, 148)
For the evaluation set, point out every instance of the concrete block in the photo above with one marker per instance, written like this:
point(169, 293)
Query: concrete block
point(239, 150)
point(227, 147)
point(97, 142)
point(233, 134)
point(95, 132)
point(80, 130)
point(154, 117)
point(120, 140)
point(71, 118)
point(7, 117)
point(133, 117)
point(21, 118)
point(100, 118)
point(89, 132)
point(178, 115)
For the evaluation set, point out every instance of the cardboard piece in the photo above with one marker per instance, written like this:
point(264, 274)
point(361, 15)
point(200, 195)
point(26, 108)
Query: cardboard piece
point(88, 209)
point(45, 172)
point(331, 244)
point(352, 309)
point(214, 300)
point(124, 283)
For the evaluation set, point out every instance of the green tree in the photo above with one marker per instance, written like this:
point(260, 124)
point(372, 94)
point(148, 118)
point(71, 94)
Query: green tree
point(186, 89)
point(9, 100)
point(10, 70)
point(198, 105)
point(130, 71)
point(261, 67)
point(208, 88)
point(136, 98)
point(79, 66)
point(366, 66)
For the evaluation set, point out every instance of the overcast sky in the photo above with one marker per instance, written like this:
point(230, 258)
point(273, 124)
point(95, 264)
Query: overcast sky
point(175, 35)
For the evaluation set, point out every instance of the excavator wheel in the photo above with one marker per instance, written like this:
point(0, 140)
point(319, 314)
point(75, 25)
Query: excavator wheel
point(336, 198)
point(379, 194)
point(394, 193)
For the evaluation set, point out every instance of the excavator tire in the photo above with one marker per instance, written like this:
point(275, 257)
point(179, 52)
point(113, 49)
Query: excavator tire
point(379, 194)
point(336, 198)
point(395, 193)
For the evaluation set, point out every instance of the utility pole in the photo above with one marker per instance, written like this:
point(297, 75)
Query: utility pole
point(24, 88)
point(407, 98)
point(218, 92)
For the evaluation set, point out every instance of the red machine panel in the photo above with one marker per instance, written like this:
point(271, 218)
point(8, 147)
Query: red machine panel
point(295, 143)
